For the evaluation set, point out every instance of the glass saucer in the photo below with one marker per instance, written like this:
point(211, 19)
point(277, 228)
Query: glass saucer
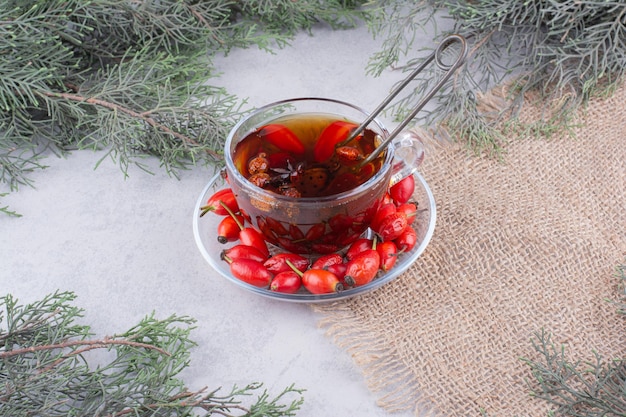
point(205, 234)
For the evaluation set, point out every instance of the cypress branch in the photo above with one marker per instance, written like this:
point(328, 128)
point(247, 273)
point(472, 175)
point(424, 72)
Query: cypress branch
point(577, 388)
point(574, 49)
point(131, 77)
point(153, 60)
point(45, 368)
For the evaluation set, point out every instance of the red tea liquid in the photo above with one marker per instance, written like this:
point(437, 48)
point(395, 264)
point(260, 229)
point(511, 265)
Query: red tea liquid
point(298, 156)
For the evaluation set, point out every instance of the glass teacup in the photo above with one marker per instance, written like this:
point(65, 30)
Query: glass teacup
point(308, 202)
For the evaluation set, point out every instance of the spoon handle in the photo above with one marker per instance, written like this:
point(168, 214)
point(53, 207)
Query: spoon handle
point(435, 56)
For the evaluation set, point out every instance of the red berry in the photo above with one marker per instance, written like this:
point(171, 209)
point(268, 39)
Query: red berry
point(243, 251)
point(339, 270)
point(228, 229)
point(251, 237)
point(363, 268)
point(333, 134)
point(295, 232)
point(409, 210)
point(383, 212)
point(324, 247)
point(320, 281)
point(250, 271)
point(315, 232)
point(220, 202)
point(276, 226)
point(278, 263)
point(388, 252)
point(392, 226)
point(358, 246)
point(281, 137)
point(407, 240)
point(402, 191)
point(327, 260)
point(286, 282)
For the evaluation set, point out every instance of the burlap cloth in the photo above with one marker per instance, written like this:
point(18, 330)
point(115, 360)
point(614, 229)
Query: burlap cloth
point(526, 243)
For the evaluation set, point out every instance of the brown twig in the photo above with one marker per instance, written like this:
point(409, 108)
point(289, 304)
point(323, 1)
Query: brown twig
point(116, 107)
point(205, 22)
point(196, 403)
point(471, 53)
point(87, 345)
point(32, 323)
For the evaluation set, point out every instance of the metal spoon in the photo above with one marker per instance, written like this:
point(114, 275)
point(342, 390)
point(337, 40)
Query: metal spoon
point(437, 57)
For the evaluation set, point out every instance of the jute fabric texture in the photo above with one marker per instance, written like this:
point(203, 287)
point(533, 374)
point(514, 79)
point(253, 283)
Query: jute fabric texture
point(526, 243)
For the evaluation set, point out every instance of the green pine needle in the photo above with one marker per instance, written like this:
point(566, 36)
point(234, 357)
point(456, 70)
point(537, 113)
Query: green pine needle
point(47, 367)
point(575, 388)
point(132, 77)
point(566, 48)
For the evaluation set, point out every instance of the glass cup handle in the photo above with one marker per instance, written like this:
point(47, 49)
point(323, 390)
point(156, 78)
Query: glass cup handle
point(408, 156)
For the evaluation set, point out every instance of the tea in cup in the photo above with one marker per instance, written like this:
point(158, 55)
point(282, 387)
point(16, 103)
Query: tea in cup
point(301, 179)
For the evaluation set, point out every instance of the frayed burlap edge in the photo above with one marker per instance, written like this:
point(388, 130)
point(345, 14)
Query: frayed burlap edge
point(383, 366)
point(384, 370)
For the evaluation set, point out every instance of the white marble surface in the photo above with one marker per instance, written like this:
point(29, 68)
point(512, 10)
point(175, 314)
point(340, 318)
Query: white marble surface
point(125, 245)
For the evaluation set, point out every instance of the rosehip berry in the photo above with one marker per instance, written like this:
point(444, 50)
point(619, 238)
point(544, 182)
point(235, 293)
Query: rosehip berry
point(327, 260)
point(392, 226)
point(383, 212)
point(407, 240)
point(388, 252)
point(260, 179)
point(250, 271)
point(320, 281)
point(288, 282)
point(363, 268)
point(228, 229)
point(402, 191)
point(409, 210)
point(220, 203)
point(243, 251)
point(358, 246)
point(278, 263)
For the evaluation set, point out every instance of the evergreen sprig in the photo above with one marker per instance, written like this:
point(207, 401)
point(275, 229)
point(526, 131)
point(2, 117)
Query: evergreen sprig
point(575, 388)
point(47, 367)
point(570, 50)
point(131, 77)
